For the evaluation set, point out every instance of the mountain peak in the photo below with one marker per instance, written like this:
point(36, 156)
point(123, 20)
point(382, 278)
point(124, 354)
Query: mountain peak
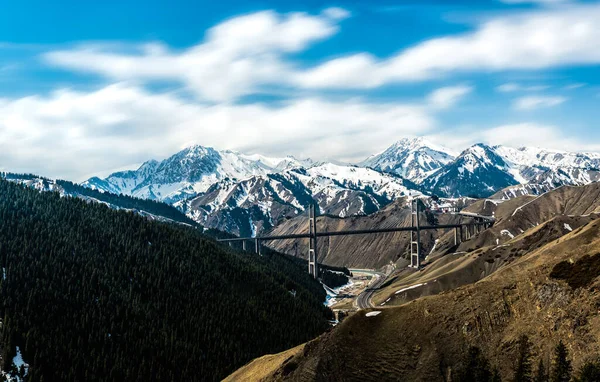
point(417, 143)
point(196, 150)
point(411, 158)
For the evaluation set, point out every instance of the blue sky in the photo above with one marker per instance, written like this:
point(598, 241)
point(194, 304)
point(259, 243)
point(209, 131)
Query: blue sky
point(89, 87)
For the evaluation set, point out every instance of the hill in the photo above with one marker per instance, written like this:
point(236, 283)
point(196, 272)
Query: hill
point(149, 208)
point(426, 340)
point(522, 225)
point(366, 251)
point(91, 293)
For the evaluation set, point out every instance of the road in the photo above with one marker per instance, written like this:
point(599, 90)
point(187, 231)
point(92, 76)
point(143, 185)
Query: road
point(363, 301)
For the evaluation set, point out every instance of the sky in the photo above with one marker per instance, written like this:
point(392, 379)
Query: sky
point(87, 88)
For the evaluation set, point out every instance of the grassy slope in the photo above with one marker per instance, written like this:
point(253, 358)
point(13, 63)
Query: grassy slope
point(421, 341)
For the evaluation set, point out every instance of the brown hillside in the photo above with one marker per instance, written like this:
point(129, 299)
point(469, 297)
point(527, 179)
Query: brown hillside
point(425, 339)
point(362, 251)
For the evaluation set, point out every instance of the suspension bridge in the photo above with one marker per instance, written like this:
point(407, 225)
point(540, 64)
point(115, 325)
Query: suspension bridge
point(462, 232)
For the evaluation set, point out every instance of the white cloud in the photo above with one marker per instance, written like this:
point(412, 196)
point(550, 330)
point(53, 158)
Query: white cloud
point(529, 40)
point(235, 58)
point(244, 54)
point(447, 97)
point(575, 86)
point(543, 2)
point(511, 87)
point(513, 135)
point(523, 134)
point(508, 87)
point(74, 134)
point(536, 102)
point(336, 13)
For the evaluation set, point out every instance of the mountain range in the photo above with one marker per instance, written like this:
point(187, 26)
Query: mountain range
point(250, 194)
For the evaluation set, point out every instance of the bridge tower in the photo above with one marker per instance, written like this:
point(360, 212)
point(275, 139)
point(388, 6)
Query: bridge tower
point(313, 268)
point(415, 235)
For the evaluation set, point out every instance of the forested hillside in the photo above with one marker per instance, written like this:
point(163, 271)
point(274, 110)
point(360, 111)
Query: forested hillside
point(91, 293)
point(128, 202)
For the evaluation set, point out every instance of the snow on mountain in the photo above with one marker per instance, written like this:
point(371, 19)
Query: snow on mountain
point(260, 202)
point(250, 193)
point(552, 167)
point(123, 182)
point(189, 172)
point(477, 171)
point(413, 159)
point(33, 181)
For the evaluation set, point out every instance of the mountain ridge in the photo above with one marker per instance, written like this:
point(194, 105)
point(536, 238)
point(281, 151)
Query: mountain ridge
point(249, 194)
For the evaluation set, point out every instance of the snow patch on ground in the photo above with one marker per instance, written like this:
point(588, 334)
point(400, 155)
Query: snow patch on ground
point(333, 293)
point(373, 314)
point(568, 227)
point(507, 233)
point(410, 287)
point(18, 362)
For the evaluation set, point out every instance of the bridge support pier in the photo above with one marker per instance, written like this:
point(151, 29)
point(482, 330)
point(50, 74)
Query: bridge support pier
point(257, 245)
point(313, 265)
point(415, 236)
point(455, 236)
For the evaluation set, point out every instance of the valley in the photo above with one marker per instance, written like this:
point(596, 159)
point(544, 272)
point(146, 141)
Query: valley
point(488, 292)
point(484, 278)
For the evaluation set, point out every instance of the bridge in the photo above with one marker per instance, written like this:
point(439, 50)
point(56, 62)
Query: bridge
point(462, 232)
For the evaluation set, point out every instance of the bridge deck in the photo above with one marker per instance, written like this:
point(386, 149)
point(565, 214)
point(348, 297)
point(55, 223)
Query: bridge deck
point(352, 232)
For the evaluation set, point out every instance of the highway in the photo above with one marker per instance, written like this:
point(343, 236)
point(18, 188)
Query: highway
point(363, 301)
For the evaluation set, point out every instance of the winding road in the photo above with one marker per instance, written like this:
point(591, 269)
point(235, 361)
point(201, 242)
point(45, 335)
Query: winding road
point(363, 301)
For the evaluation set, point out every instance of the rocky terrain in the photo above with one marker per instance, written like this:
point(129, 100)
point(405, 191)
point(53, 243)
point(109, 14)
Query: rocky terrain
point(532, 285)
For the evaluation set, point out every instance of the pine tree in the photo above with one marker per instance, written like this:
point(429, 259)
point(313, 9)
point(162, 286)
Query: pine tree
point(562, 369)
point(523, 372)
point(476, 367)
point(542, 373)
point(496, 376)
point(589, 372)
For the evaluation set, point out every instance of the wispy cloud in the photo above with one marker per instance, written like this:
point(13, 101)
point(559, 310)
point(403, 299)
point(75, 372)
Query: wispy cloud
point(525, 41)
point(447, 97)
point(536, 102)
point(235, 58)
point(575, 86)
point(543, 2)
point(245, 53)
point(511, 87)
point(521, 134)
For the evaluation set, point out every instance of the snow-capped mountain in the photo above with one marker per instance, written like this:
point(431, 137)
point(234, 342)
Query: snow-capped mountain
point(477, 171)
point(249, 194)
point(189, 172)
point(413, 159)
point(260, 202)
point(482, 170)
point(555, 168)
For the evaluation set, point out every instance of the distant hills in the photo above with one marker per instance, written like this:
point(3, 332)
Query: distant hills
point(249, 194)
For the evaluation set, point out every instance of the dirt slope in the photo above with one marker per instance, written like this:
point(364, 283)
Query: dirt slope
point(424, 340)
point(520, 227)
point(362, 251)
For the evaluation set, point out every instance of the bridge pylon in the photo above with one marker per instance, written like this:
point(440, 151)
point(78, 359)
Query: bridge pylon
point(313, 265)
point(415, 235)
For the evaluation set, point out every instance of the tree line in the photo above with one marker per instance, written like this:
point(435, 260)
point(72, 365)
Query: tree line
point(477, 368)
point(90, 293)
